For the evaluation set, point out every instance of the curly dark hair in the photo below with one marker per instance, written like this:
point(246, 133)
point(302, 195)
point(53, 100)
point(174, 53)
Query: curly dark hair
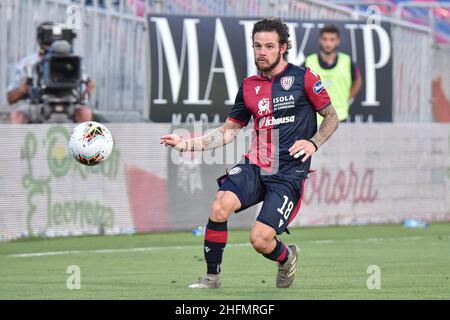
point(274, 24)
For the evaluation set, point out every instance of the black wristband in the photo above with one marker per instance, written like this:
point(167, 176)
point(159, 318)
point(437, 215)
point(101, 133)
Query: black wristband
point(315, 145)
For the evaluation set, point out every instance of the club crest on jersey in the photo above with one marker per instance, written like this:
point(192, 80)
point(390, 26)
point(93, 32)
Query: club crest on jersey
point(287, 82)
point(318, 87)
point(264, 106)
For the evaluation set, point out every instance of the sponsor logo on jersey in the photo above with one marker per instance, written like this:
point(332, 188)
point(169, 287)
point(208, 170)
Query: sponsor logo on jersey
point(271, 121)
point(318, 87)
point(287, 82)
point(257, 88)
point(264, 106)
point(235, 170)
point(283, 99)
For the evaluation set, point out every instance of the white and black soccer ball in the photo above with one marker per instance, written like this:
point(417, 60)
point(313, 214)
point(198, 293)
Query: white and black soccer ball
point(90, 143)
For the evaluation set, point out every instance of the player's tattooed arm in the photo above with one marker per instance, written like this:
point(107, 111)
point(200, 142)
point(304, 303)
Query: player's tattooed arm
point(307, 148)
point(328, 126)
point(212, 140)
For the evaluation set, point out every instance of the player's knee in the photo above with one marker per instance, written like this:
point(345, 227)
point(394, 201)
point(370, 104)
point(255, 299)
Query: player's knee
point(17, 117)
point(218, 212)
point(260, 242)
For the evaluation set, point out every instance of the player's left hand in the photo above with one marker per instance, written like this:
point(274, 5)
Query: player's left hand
point(302, 147)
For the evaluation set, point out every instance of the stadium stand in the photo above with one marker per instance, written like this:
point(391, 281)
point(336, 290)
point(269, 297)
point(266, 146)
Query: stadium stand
point(119, 36)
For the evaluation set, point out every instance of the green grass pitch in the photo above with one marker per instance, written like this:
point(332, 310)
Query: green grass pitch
point(414, 263)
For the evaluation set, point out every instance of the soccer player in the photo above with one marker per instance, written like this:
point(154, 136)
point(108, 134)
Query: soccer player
point(340, 75)
point(282, 99)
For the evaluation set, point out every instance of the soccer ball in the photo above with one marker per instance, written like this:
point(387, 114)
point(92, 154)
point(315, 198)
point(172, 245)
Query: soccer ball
point(91, 143)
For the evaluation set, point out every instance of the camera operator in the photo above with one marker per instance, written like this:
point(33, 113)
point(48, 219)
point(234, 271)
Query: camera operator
point(22, 81)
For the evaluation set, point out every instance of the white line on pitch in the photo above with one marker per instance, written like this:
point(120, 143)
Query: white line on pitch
point(57, 253)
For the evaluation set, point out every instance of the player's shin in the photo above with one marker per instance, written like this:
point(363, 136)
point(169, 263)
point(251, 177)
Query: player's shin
point(216, 236)
point(280, 253)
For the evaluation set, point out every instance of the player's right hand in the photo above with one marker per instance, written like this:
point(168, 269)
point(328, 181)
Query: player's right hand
point(173, 140)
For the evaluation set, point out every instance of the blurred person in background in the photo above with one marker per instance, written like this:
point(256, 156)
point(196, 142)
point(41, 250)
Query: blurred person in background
point(340, 75)
point(19, 88)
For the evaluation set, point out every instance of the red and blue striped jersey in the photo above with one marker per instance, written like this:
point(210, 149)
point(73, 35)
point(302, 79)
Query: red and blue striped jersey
point(284, 111)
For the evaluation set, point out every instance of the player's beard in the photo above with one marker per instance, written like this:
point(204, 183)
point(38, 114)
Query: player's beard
point(327, 52)
point(270, 67)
